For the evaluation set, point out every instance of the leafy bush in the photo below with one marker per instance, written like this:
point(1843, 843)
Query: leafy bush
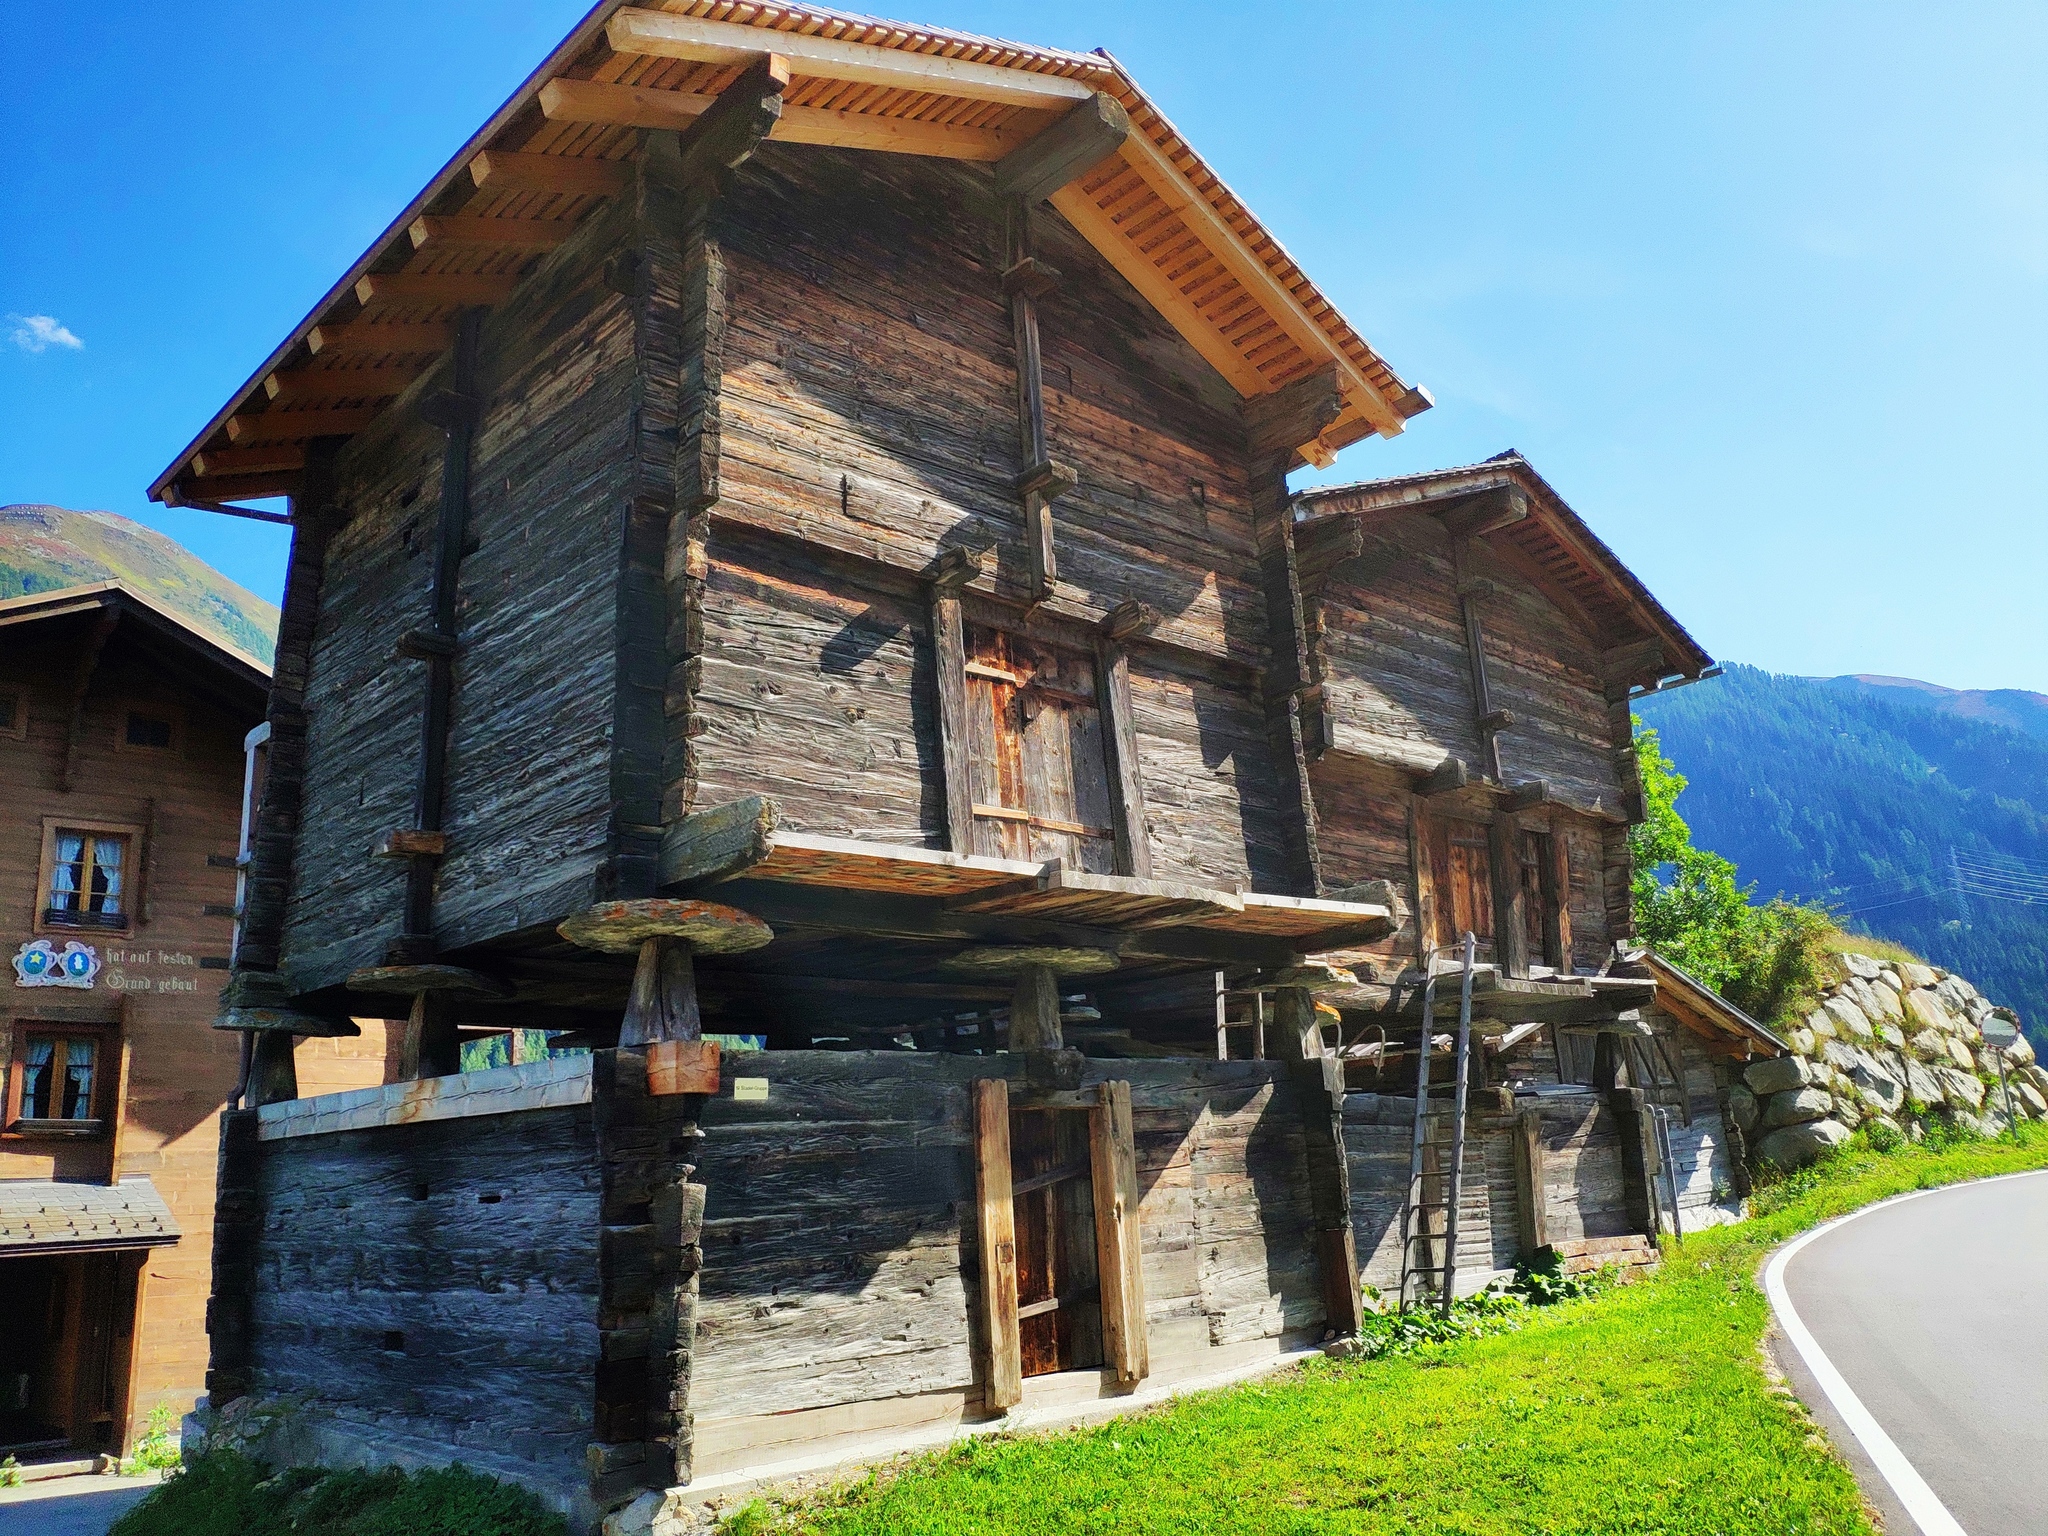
point(1471, 1317)
point(224, 1493)
point(1542, 1282)
point(157, 1449)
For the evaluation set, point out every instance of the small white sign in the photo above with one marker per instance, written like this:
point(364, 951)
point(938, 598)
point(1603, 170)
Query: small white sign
point(39, 963)
point(750, 1090)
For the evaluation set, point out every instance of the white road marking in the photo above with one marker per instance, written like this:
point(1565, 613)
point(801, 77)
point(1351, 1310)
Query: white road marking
point(1920, 1501)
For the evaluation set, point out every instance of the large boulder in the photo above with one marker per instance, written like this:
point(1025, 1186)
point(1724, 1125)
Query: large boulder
point(1959, 1053)
point(1822, 1026)
point(2021, 1053)
point(1777, 1074)
point(1959, 1090)
point(1928, 1011)
point(1879, 1003)
point(1930, 1045)
point(1850, 1023)
point(1846, 1110)
point(1795, 1106)
point(2026, 1096)
point(1794, 1146)
point(1800, 1038)
point(1743, 1108)
point(1916, 975)
point(1863, 967)
point(1922, 1084)
point(1956, 992)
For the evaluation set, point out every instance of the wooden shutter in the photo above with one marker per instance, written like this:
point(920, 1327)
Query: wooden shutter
point(998, 1238)
point(1037, 765)
point(1465, 884)
point(1534, 853)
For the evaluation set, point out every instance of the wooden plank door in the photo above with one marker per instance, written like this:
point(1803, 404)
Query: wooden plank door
point(1036, 762)
point(1462, 856)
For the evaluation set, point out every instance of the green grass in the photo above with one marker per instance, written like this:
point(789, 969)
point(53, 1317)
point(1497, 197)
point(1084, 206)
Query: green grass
point(224, 1493)
point(1643, 1410)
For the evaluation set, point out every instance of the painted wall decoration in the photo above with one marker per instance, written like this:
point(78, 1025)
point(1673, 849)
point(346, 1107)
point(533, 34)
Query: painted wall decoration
point(39, 963)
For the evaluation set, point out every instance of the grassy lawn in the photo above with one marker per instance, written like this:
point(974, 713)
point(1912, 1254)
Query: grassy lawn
point(1645, 1409)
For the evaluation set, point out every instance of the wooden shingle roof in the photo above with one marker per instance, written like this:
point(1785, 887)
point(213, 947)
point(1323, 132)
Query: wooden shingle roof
point(52, 1216)
point(555, 151)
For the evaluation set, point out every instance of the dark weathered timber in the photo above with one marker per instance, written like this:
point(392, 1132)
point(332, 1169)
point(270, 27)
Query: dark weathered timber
point(237, 1231)
point(718, 842)
point(1287, 676)
point(274, 834)
point(1126, 779)
point(1487, 512)
point(1488, 718)
point(432, 1283)
point(728, 132)
point(1035, 479)
point(83, 666)
point(273, 1070)
point(1281, 422)
point(454, 411)
point(650, 512)
point(1510, 941)
point(949, 675)
point(1640, 1164)
point(1081, 140)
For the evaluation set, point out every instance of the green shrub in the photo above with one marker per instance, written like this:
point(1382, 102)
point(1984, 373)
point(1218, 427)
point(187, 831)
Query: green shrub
point(1542, 1282)
point(224, 1493)
point(1471, 1317)
point(157, 1449)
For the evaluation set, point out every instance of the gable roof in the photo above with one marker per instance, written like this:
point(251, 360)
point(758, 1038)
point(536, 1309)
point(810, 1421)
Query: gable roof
point(552, 153)
point(231, 676)
point(1552, 545)
point(1708, 1014)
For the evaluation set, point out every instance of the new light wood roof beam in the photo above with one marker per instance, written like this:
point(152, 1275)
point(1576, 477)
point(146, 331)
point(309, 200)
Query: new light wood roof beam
point(658, 34)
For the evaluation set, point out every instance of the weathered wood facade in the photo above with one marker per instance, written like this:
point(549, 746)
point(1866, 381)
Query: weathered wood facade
point(793, 556)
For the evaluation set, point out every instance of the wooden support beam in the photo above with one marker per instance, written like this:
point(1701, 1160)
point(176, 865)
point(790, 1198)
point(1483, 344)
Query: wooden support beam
point(83, 665)
point(949, 663)
point(1294, 416)
point(1089, 134)
point(1527, 796)
point(431, 1047)
point(1129, 619)
point(1473, 517)
point(996, 1234)
point(1448, 776)
point(1490, 721)
point(718, 843)
point(1133, 841)
point(632, 106)
point(497, 170)
point(304, 384)
point(456, 289)
point(1510, 901)
point(1557, 901)
point(360, 338)
point(273, 1068)
point(249, 461)
point(728, 132)
point(1119, 1267)
point(406, 843)
point(494, 234)
point(1035, 1010)
point(248, 429)
point(1531, 1220)
point(663, 1002)
point(659, 34)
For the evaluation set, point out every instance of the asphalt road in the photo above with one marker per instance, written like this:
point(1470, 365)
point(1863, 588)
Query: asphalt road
point(1934, 1311)
point(69, 1506)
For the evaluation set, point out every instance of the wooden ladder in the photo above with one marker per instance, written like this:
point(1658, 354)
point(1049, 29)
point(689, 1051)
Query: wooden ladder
point(1417, 1269)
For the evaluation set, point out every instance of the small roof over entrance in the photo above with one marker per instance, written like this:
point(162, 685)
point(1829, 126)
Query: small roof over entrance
point(47, 1216)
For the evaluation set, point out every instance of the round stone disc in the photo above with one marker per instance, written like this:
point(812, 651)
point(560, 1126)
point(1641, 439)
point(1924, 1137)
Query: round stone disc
point(412, 980)
point(1009, 959)
point(286, 1021)
point(620, 927)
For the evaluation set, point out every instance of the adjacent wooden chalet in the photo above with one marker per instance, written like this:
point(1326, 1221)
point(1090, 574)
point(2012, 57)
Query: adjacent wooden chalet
point(794, 585)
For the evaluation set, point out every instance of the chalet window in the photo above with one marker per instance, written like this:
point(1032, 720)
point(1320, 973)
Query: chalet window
point(146, 727)
point(13, 713)
point(1037, 769)
point(54, 1081)
point(88, 876)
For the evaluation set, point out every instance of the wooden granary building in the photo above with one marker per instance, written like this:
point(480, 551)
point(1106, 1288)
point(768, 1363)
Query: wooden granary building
point(794, 588)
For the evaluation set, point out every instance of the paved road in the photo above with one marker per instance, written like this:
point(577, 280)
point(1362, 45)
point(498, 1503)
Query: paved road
point(69, 1506)
point(1935, 1312)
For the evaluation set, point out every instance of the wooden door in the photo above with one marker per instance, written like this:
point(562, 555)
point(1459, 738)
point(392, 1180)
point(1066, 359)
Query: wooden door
point(1537, 927)
point(1463, 860)
point(1037, 768)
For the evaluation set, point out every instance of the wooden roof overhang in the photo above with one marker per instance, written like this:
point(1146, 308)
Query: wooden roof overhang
point(1500, 1003)
point(1551, 545)
point(560, 146)
point(1725, 1028)
point(231, 679)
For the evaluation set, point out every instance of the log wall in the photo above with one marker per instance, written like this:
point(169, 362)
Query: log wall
point(533, 699)
point(867, 410)
point(432, 1289)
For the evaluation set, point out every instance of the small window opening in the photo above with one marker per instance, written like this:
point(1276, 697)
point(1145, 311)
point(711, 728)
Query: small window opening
point(488, 1199)
point(148, 731)
point(419, 1191)
point(394, 1343)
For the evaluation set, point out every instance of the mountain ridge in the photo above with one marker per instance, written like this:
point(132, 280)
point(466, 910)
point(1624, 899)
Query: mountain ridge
point(47, 548)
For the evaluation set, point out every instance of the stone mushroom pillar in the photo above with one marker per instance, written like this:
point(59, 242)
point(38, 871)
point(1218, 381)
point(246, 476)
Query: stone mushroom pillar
point(258, 1003)
point(666, 932)
point(431, 1047)
point(1035, 1005)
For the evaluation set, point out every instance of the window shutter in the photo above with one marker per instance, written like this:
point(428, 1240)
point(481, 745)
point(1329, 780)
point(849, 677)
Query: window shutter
point(998, 1236)
point(1113, 1162)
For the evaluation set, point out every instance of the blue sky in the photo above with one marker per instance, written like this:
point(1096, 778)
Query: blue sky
point(1763, 290)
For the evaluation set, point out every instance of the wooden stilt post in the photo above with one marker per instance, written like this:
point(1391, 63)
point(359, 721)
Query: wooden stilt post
point(663, 1004)
point(1035, 1011)
point(275, 1076)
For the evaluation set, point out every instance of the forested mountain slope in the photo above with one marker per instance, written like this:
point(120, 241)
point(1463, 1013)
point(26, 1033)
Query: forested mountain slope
point(1909, 820)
